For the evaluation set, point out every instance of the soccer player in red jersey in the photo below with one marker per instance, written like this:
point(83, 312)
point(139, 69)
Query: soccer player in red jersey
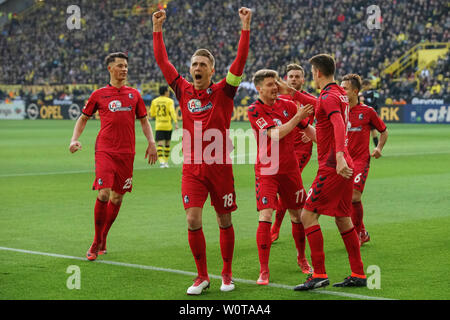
point(295, 78)
point(118, 107)
point(276, 167)
point(331, 191)
point(363, 119)
point(206, 108)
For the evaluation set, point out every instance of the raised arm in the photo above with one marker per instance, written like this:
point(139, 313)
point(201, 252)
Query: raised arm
point(234, 75)
point(159, 49)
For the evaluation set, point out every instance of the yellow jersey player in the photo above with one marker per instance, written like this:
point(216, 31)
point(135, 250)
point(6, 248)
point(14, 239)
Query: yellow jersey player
point(163, 111)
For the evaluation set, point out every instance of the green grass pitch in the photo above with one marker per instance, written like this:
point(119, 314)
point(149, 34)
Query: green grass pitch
point(47, 207)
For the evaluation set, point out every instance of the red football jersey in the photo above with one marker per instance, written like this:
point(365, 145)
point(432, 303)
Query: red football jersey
point(263, 117)
point(361, 121)
point(118, 109)
point(206, 116)
point(299, 145)
point(332, 99)
point(206, 113)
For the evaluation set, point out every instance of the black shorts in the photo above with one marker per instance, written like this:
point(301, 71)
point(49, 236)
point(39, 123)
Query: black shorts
point(163, 135)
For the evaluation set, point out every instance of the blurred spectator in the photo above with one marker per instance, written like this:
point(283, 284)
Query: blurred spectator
point(40, 49)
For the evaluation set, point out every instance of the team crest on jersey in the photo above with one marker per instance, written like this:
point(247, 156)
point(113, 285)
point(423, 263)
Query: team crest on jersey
point(278, 122)
point(100, 182)
point(286, 114)
point(264, 200)
point(186, 199)
point(209, 91)
point(130, 95)
point(360, 116)
point(116, 105)
point(261, 123)
point(195, 105)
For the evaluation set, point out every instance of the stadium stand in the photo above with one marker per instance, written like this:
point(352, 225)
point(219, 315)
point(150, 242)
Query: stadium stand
point(37, 48)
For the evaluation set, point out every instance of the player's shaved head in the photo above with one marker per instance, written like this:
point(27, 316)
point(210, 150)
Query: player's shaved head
point(262, 74)
point(205, 53)
point(112, 57)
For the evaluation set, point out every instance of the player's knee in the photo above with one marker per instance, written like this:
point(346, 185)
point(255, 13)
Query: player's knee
point(266, 215)
point(343, 223)
point(193, 219)
point(296, 216)
point(103, 195)
point(356, 196)
point(308, 218)
point(224, 220)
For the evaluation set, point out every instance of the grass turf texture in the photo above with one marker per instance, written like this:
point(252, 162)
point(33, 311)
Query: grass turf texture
point(47, 206)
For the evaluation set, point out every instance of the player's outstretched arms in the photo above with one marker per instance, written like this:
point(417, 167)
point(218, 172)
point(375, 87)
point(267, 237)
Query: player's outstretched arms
point(158, 19)
point(75, 145)
point(245, 14)
point(159, 49)
point(234, 76)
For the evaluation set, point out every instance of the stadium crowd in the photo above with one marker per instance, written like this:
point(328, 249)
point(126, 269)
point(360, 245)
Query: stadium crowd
point(40, 48)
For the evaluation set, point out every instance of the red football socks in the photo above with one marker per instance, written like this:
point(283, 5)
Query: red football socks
point(99, 218)
point(111, 214)
point(197, 243)
point(227, 248)
point(279, 216)
point(351, 242)
point(263, 241)
point(315, 240)
point(357, 216)
point(298, 233)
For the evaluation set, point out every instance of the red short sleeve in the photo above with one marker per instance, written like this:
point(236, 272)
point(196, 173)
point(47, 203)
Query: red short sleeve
point(376, 122)
point(141, 110)
point(91, 105)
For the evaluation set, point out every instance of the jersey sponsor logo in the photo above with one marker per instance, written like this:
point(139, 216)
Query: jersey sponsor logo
point(261, 123)
point(355, 129)
point(195, 105)
point(116, 105)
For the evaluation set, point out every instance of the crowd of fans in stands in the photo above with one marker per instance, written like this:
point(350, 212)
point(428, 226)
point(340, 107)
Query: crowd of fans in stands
point(41, 49)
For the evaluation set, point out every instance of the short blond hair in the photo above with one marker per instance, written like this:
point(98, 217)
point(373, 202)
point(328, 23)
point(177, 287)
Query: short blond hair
point(205, 53)
point(260, 75)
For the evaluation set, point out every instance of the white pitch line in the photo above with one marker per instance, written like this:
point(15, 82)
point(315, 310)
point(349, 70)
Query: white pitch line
point(188, 273)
